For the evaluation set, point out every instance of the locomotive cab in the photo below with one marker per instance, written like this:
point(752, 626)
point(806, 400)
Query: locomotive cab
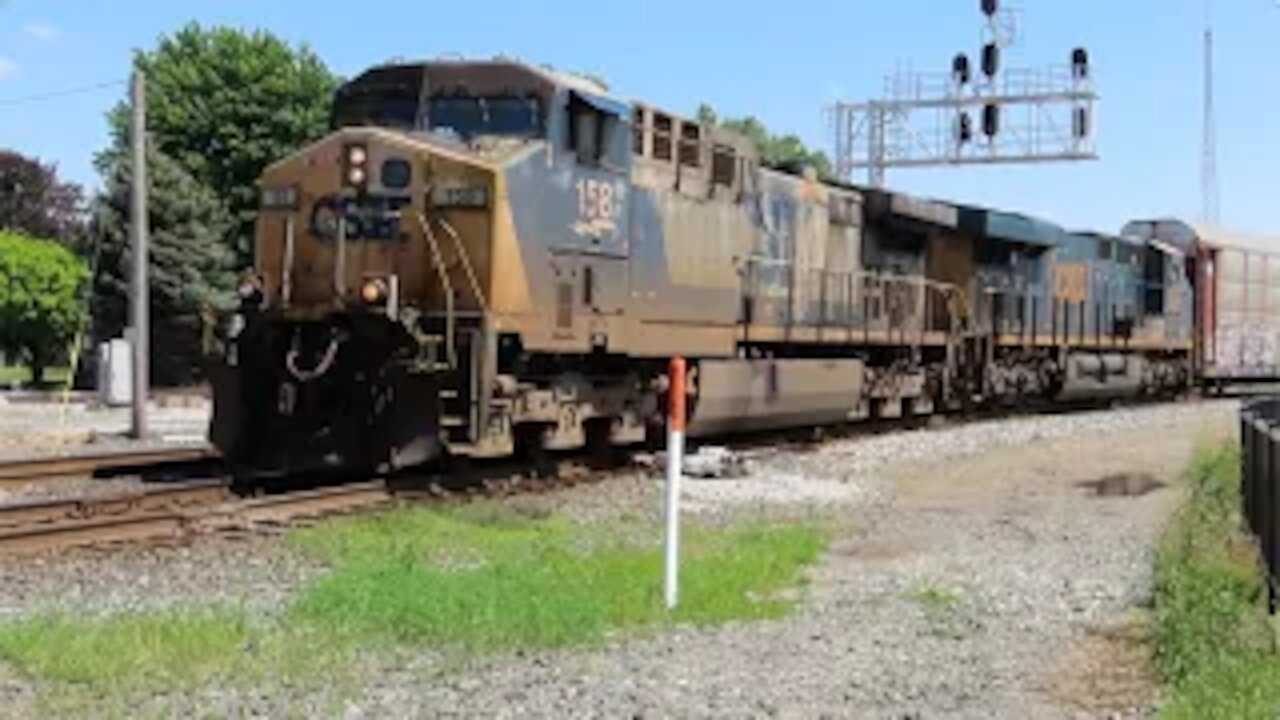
point(386, 258)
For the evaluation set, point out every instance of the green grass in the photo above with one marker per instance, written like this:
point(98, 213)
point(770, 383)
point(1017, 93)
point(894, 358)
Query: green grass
point(163, 648)
point(934, 598)
point(473, 579)
point(945, 611)
point(1214, 641)
point(167, 649)
point(54, 377)
point(484, 582)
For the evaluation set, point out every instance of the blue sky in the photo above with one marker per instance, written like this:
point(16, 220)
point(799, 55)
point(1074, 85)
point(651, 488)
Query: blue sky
point(782, 63)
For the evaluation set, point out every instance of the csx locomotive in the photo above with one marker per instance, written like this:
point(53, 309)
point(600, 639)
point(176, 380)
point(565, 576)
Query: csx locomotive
point(486, 258)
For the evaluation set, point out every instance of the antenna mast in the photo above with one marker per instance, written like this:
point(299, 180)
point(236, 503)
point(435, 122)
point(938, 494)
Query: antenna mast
point(1209, 150)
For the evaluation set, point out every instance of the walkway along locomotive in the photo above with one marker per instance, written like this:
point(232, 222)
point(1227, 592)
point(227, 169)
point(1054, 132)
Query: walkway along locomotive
point(486, 258)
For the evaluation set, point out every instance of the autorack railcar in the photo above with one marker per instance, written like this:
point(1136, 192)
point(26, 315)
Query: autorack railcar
point(1236, 297)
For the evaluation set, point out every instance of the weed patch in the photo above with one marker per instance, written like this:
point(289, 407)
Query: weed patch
point(164, 648)
point(945, 610)
point(485, 582)
point(477, 578)
point(1214, 642)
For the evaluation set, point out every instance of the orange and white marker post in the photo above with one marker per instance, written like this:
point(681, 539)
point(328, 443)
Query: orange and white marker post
point(675, 462)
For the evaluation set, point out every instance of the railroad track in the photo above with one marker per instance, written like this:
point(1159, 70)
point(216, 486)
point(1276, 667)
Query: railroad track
point(181, 511)
point(170, 513)
point(29, 471)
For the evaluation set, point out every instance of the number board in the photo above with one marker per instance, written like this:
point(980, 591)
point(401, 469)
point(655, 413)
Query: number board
point(1071, 282)
point(599, 207)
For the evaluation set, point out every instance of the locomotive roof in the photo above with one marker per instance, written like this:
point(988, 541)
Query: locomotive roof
point(1009, 226)
point(1185, 235)
point(484, 76)
point(887, 202)
point(1126, 239)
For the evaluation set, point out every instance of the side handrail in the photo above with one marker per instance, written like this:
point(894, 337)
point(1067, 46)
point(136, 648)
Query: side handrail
point(438, 260)
point(952, 295)
point(466, 263)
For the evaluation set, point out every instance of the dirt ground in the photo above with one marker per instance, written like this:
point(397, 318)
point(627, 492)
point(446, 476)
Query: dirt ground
point(989, 571)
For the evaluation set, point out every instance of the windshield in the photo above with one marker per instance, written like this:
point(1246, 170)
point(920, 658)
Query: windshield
point(389, 109)
point(468, 116)
point(463, 115)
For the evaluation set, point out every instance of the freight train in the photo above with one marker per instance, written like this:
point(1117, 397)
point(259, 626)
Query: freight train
point(487, 258)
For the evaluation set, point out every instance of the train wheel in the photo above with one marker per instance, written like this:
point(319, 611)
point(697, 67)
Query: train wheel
point(531, 449)
point(601, 451)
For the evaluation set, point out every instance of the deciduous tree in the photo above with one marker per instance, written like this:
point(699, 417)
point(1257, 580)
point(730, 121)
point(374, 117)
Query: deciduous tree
point(774, 149)
point(42, 305)
point(35, 202)
point(224, 103)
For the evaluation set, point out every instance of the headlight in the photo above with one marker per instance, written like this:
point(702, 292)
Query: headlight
point(280, 198)
point(373, 291)
point(356, 176)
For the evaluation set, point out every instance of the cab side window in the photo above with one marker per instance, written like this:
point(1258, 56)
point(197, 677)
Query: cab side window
point(590, 131)
point(662, 137)
point(723, 165)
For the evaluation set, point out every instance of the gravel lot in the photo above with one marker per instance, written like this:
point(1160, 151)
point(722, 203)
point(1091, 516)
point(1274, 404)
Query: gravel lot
point(46, 427)
point(972, 576)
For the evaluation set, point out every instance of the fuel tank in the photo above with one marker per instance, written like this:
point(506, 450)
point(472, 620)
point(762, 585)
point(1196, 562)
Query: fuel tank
point(750, 395)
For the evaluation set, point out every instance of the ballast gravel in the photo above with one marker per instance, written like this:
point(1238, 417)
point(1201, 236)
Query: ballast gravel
point(51, 427)
point(974, 573)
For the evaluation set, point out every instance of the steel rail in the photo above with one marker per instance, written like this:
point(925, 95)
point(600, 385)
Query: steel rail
point(39, 469)
point(173, 513)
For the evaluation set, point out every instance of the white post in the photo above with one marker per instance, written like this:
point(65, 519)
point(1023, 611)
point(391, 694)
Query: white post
point(675, 460)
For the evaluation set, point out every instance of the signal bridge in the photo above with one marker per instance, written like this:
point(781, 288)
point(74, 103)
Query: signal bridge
point(996, 116)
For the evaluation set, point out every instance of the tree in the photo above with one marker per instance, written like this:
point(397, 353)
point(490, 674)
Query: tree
point(190, 267)
point(224, 103)
point(41, 300)
point(34, 202)
point(774, 149)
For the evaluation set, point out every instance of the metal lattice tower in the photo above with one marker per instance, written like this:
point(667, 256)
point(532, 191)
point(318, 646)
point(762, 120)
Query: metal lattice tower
point(991, 116)
point(1209, 151)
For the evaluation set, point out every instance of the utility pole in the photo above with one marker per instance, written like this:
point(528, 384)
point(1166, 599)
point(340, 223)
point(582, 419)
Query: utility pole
point(139, 300)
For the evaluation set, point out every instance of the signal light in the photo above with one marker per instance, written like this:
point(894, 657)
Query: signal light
point(990, 7)
point(964, 128)
point(1080, 123)
point(990, 119)
point(355, 159)
point(1080, 63)
point(960, 69)
point(990, 59)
